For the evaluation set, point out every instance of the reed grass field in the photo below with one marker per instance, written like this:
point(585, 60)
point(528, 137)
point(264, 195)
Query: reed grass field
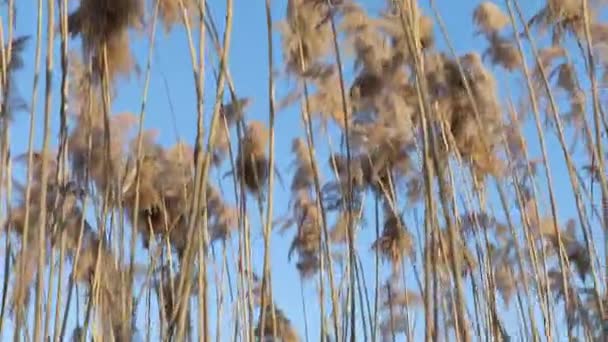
point(303, 170)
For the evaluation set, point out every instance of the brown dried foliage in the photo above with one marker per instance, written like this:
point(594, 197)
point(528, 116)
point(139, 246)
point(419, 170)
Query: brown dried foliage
point(65, 226)
point(283, 329)
point(490, 18)
point(382, 109)
point(170, 12)
point(396, 242)
point(164, 191)
point(475, 138)
point(252, 161)
point(306, 36)
point(10, 98)
point(307, 219)
point(103, 26)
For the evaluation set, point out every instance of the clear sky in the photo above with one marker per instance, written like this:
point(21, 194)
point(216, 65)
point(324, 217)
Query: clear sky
point(172, 83)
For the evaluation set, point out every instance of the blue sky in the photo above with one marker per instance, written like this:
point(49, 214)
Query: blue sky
point(248, 67)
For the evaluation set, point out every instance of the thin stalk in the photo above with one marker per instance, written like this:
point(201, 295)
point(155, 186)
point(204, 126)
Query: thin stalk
point(268, 227)
point(349, 190)
point(303, 299)
point(567, 157)
point(19, 310)
point(598, 153)
point(202, 166)
point(310, 144)
point(203, 297)
point(377, 271)
point(8, 244)
point(45, 181)
point(431, 159)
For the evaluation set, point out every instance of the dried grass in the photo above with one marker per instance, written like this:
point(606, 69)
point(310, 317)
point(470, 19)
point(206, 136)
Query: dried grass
point(396, 242)
point(490, 18)
point(283, 328)
point(10, 98)
point(170, 12)
point(103, 25)
point(427, 131)
point(252, 161)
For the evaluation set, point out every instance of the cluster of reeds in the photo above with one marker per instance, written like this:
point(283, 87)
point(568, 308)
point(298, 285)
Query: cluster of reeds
point(462, 189)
